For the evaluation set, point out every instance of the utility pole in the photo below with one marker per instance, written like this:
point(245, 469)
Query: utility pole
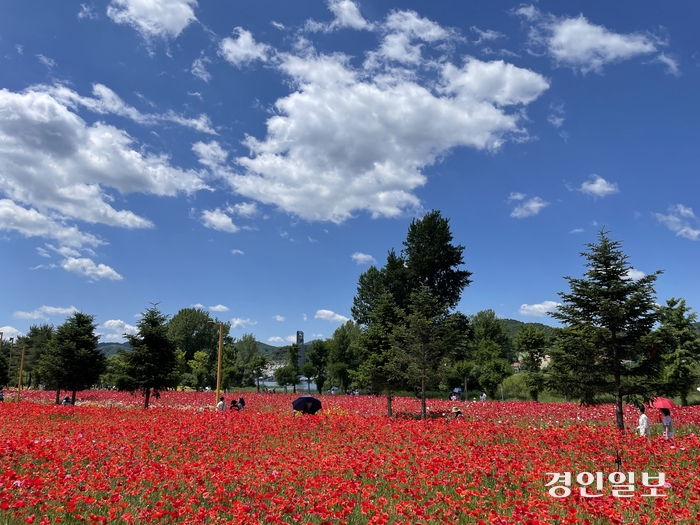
point(221, 353)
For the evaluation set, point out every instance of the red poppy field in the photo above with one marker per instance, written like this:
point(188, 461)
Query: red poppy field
point(106, 460)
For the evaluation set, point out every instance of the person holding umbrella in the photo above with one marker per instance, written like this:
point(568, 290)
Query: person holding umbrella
point(667, 423)
point(307, 405)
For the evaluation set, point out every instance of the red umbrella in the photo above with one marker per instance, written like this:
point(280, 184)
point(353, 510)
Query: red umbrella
point(661, 402)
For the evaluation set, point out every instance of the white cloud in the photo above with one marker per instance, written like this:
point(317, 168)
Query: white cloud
point(88, 268)
point(243, 50)
point(487, 35)
point(598, 187)
point(237, 252)
point(87, 11)
point(275, 339)
point(304, 317)
point(635, 275)
point(31, 223)
point(556, 118)
point(317, 336)
point(52, 160)
point(362, 258)
point(682, 221)
point(43, 312)
point(538, 310)
point(210, 155)
point(580, 45)
point(328, 315)
point(670, 63)
point(106, 101)
point(120, 327)
point(46, 61)
point(218, 220)
point(347, 14)
point(20, 49)
point(344, 141)
point(218, 308)
point(154, 18)
point(240, 323)
point(244, 209)
point(278, 318)
point(529, 208)
point(277, 25)
point(516, 196)
point(41, 251)
point(577, 230)
point(9, 331)
point(196, 305)
point(199, 69)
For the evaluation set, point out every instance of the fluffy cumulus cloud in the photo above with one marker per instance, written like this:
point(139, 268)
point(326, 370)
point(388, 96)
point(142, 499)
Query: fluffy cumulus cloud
point(328, 315)
point(86, 267)
point(275, 339)
point(278, 318)
point(598, 187)
point(634, 274)
point(9, 331)
point(353, 139)
point(580, 45)
point(538, 310)
point(362, 258)
point(119, 326)
point(347, 15)
point(243, 49)
point(218, 220)
point(682, 221)
point(154, 18)
point(44, 312)
point(528, 208)
point(240, 323)
point(56, 169)
point(218, 308)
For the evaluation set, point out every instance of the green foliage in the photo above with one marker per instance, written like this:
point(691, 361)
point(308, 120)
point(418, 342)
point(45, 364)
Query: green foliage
point(681, 345)
point(308, 370)
point(531, 345)
point(491, 367)
point(247, 359)
point(342, 357)
point(200, 367)
point(286, 376)
point(432, 260)
point(71, 360)
point(193, 330)
point(151, 364)
point(606, 345)
point(317, 355)
point(35, 342)
point(4, 377)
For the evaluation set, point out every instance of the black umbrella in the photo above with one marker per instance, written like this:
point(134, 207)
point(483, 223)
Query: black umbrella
point(307, 404)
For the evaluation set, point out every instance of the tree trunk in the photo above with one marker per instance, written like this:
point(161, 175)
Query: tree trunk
point(147, 398)
point(308, 383)
point(389, 411)
point(58, 396)
point(466, 393)
point(73, 399)
point(423, 411)
point(684, 399)
point(258, 380)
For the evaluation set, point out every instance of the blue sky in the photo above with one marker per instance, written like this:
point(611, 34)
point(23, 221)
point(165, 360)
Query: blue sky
point(253, 158)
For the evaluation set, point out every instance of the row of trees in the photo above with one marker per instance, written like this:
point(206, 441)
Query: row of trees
point(615, 340)
point(164, 353)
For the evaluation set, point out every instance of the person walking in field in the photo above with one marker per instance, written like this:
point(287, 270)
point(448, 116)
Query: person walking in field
point(667, 423)
point(643, 426)
point(221, 405)
point(483, 396)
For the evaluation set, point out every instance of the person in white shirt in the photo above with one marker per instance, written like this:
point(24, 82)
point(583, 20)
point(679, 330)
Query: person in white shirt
point(221, 405)
point(643, 427)
point(483, 396)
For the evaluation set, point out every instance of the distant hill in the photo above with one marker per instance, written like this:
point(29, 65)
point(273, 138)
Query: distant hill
point(513, 327)
point(109, 349)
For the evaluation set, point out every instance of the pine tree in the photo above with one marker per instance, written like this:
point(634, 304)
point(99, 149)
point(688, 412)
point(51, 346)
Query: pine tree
point(71, 360)
point(606, 346)
point(151, 364)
